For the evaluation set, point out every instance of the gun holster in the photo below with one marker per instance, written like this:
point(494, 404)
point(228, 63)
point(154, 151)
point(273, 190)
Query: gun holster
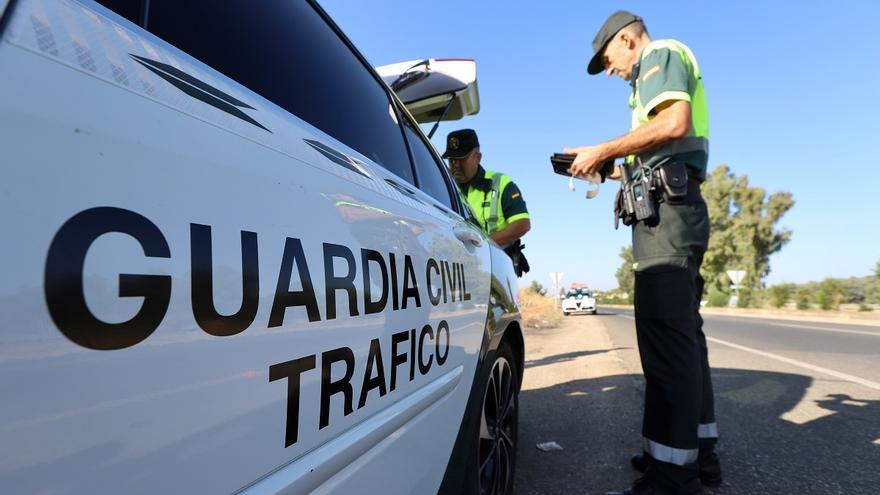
point(638, 199)
point(520, 263)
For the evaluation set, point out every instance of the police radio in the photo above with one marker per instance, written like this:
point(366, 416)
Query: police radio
point(636, 200)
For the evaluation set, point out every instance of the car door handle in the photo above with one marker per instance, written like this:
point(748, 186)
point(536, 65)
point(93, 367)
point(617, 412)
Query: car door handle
point(466, 234)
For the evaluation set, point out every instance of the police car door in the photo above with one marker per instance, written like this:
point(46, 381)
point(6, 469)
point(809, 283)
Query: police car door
point(455, 257)
point(220, 274)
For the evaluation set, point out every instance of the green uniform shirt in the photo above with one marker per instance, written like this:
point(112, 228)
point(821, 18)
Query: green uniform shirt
point(668, 71)
point(479, 193)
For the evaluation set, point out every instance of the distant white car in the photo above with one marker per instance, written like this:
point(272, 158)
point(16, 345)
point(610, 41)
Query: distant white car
point(579, 301)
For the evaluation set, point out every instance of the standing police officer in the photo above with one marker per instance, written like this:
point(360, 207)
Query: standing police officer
point(669, 125)
point(492, 196)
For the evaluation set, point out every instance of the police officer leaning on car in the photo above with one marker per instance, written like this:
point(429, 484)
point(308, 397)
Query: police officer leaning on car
point(493, 197)
point(669, 124)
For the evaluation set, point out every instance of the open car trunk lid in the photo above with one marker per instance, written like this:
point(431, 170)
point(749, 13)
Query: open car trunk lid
point(435, 89)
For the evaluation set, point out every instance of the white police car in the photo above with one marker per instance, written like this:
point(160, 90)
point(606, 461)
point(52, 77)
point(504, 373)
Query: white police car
point(233, 263)
point(579, 300)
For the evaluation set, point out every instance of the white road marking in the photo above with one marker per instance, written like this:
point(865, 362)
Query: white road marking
point(726, 316)
point(826, 329)
point(791, 325)
point(801, 364)
point(795, 362)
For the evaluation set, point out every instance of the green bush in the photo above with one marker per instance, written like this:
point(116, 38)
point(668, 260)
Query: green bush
point(536, 288)
point(780, 294)
point(744, 298)
point(751, 298)
point(802, 298)
point(865, 307)
point(829, 294)
point(717, 299)
point(877, 286)
point(614, 300)
point(758, 298)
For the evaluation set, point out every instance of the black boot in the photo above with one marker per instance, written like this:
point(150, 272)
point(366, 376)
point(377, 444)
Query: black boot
point(640, 462)
point(644, 486)
point(710, 466)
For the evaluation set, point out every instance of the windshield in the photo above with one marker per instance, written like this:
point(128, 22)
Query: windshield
point(579, 293)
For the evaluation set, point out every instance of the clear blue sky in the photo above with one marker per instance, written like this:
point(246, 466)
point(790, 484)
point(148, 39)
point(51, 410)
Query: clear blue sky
point(792, 92)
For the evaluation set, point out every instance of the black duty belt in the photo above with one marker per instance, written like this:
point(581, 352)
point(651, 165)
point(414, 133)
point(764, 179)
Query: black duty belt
point(677, 146)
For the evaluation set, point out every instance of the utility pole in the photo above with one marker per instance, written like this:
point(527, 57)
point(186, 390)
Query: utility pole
point(736, 276)
point(555, 278)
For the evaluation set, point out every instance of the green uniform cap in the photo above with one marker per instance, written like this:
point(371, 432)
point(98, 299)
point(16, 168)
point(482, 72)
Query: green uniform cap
point(613, 24)
point(461, 142)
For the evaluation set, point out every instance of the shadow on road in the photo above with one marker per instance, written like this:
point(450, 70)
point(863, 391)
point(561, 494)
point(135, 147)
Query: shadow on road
point(569, 356)
point(766, 446)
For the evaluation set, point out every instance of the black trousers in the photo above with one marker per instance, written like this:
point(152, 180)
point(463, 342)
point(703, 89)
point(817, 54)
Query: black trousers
point(679, 401)
point(707, 431)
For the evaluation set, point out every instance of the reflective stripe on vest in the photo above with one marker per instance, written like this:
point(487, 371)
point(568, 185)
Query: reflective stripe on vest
point(490, 216)
point(492, 219)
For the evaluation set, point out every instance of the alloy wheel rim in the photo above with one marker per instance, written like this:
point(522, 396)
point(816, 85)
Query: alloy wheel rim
point(497, 443)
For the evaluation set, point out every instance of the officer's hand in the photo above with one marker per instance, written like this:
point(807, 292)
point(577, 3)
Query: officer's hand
point(587, 162)
point(615, 174)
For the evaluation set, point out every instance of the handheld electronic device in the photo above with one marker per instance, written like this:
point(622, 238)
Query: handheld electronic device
point(561, 162)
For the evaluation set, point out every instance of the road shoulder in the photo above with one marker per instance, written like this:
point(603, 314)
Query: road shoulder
point(578, 393)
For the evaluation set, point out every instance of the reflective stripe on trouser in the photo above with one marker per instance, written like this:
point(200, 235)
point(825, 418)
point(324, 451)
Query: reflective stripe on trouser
point(707, 431)
point(665, 453)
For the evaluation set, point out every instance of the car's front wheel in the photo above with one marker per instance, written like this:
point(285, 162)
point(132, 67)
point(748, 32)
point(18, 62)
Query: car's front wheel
point(499, 418)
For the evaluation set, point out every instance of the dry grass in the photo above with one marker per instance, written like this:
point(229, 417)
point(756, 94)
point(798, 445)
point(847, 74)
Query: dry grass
point(538, 311)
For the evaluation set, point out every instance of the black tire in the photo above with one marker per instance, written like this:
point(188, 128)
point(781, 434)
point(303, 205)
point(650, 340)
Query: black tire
point(499, 425)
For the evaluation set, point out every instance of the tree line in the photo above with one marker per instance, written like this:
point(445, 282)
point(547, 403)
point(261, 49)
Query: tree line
point(744, 234)
point(827, 294)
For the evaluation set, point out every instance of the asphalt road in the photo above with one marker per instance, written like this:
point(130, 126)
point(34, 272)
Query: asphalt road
point(797, 403)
